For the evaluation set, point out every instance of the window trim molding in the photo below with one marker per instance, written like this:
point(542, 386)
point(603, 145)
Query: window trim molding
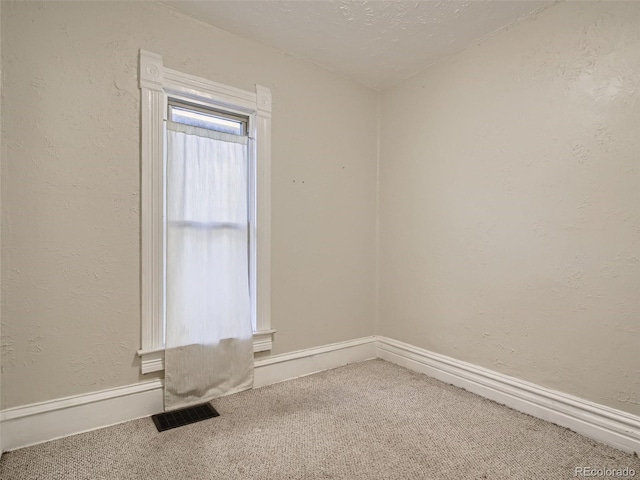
point(156, 83)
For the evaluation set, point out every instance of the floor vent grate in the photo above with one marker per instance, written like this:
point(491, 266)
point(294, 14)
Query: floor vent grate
point(184, 416)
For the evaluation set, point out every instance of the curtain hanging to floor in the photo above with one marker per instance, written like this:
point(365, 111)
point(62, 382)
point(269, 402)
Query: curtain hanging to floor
point(209, 348)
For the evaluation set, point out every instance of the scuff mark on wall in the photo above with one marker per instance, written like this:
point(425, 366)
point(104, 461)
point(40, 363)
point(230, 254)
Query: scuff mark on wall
point(34, 343)
point(626, 398)
point(7, 349)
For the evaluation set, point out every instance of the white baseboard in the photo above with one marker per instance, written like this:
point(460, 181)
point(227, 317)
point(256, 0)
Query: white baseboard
point(37, 423)
point(279, 368)
point(41, 422)
point(607, 425)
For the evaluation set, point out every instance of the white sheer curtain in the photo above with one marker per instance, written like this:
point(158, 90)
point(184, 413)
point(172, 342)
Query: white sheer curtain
point(209, 348)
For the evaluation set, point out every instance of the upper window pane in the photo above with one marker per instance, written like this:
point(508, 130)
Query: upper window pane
point(208, 120)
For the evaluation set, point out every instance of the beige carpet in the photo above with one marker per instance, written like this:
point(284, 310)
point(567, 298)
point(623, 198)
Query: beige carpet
point(371, 420)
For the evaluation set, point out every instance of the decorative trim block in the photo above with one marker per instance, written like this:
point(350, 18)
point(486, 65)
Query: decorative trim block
point(263, 341)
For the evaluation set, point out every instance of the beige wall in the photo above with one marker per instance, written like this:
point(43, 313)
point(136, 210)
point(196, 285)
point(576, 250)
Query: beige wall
point(1, 68)
point(71, 190)
point(509, 197)
point(510, 204)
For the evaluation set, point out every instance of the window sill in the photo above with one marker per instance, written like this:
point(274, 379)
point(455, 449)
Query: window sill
point(153, 359)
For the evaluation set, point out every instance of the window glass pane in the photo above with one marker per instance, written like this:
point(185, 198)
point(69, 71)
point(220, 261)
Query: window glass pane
point(204, 120)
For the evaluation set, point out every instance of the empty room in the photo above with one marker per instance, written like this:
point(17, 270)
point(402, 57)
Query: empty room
point(338, 239)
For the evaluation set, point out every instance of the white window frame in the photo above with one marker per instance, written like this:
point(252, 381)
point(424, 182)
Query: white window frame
point(157, 84)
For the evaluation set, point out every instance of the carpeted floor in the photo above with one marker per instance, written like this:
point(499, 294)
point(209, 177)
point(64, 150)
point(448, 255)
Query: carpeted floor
point(372, 420)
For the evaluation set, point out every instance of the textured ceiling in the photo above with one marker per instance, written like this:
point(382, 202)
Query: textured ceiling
point(377, 43)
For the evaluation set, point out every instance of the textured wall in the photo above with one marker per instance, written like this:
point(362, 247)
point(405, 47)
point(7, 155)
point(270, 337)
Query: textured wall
point(509, 198)
point(71, 188)
point(510, 204)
